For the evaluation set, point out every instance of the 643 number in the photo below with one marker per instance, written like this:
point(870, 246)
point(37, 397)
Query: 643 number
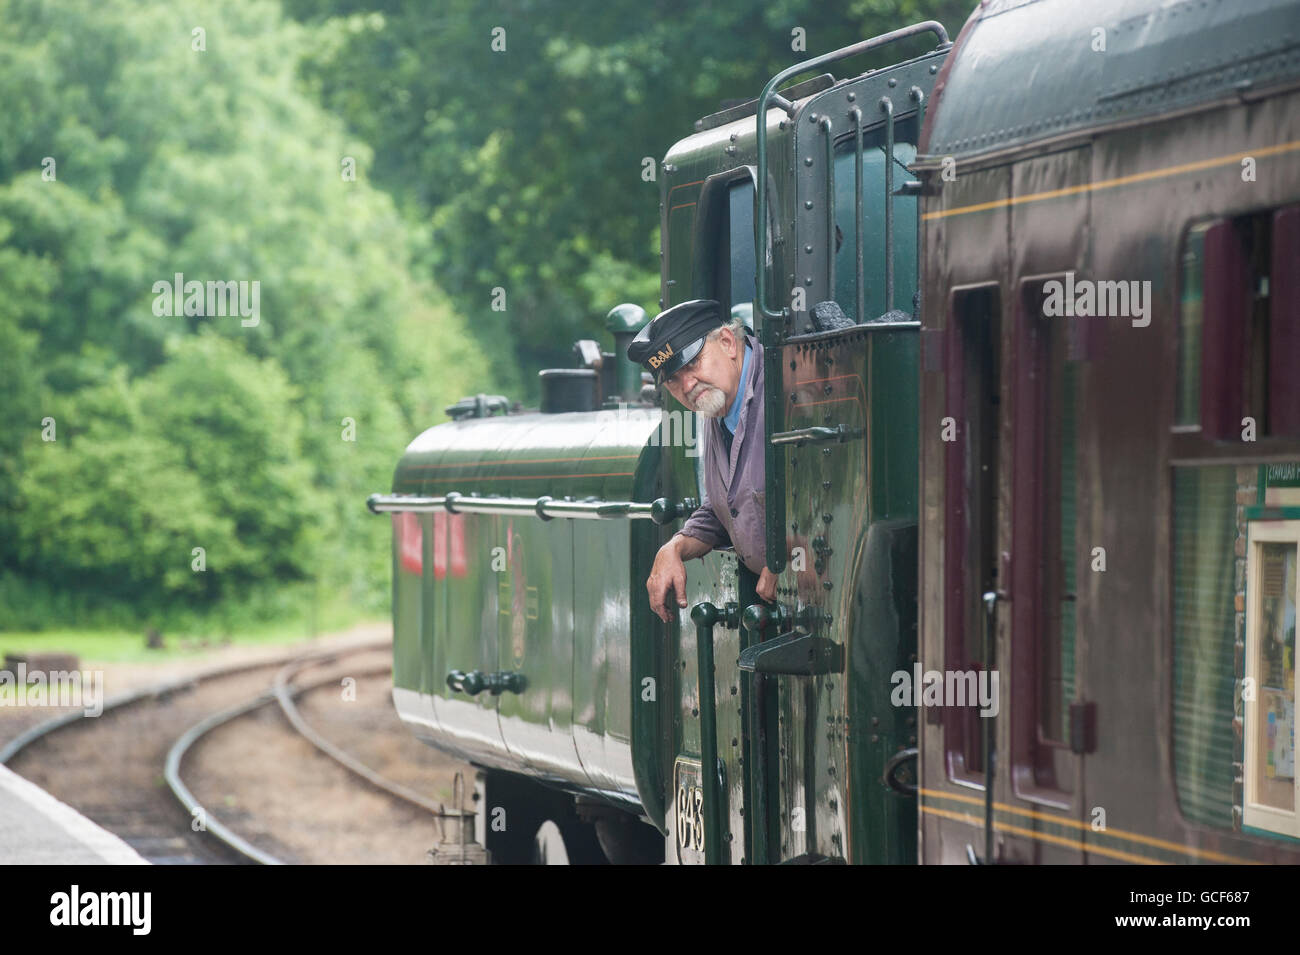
point(690, 818)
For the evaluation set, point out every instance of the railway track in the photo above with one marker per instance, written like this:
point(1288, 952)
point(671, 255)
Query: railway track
point(282, 692)
point(168, 824)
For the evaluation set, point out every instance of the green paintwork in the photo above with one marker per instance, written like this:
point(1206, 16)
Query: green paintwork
point(612, 702)
point(830, 735)
point(623, 322)
point(548, 599)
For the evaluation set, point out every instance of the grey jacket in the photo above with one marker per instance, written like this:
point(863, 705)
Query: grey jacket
point(732, 514)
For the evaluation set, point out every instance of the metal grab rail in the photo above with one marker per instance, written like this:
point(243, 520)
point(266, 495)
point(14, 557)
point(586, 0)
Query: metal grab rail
point(770, 97)
point(990, 599)
point(887, 107)
point(546, 508)
point(757, 620)
point(816, 435)
point(773, 322)
point(706, 616)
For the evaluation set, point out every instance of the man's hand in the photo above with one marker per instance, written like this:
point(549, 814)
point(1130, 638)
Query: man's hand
point(766, 588)
point(668, 575)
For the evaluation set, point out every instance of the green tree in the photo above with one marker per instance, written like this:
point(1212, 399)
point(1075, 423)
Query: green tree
point(200, 154)
point(524, 161)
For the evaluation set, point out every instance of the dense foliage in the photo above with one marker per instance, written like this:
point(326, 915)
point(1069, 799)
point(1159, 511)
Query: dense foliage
point(170, 432)
point(525, 163)
point(385, 171)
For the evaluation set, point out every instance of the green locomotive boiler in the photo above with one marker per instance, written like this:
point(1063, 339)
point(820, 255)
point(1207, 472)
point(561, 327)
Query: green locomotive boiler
point(743, 733)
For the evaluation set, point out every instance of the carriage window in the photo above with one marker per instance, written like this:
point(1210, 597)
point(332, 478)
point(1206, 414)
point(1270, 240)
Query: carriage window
point(1236, 570)
point(1284, 325)
point(1270, 715)
point(1056, 672)
point(1205, 574)
point(1270, 801)
point(1055, 407)
point(1239, 327)
point(1188, 412)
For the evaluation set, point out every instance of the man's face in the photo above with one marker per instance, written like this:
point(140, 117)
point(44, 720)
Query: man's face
point(708, 383)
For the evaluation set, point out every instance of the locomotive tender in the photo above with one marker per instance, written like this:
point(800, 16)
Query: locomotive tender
point(1101, 509)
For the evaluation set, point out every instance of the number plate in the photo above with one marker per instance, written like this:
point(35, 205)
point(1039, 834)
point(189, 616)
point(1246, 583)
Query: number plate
point(688, 817)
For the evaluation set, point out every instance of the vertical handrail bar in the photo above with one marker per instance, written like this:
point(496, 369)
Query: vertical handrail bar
point(758, 770)
point(861, 313)
point(887, 105)
point(990, 632)
point(828, 129)
point(705, 616)
point(918, 94)
point(767, 97)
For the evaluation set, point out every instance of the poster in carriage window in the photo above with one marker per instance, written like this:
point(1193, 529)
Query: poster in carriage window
point(1272, 568)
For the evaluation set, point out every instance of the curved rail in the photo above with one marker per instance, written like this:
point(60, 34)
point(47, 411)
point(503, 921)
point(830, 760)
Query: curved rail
point(157, 691)
point(284, 693)
point(181, 684)
point(172, 773)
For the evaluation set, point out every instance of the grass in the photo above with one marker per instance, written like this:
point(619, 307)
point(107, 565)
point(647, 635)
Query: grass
point(128, 646)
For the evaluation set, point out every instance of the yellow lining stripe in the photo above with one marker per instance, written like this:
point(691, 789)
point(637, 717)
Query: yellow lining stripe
point(1045, 837)
point(1076, 824)
point(1262, 153)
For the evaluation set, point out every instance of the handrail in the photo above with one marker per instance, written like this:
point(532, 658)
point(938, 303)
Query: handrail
point(547, 508)
point(887, 106)
point(816, 435)
point(706, 616)
point(773, 322)
point(811, 338)
point(769, 95)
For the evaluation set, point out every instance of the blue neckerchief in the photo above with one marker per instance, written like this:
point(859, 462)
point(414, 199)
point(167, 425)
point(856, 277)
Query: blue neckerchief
point(733, 416)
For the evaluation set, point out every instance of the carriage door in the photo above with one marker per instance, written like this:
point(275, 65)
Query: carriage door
point(1043, 706)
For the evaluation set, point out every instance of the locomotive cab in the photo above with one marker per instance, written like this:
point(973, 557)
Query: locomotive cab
point(786, 745)
point(743, 732)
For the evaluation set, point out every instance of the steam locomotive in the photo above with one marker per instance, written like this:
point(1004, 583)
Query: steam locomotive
point(1035, 511)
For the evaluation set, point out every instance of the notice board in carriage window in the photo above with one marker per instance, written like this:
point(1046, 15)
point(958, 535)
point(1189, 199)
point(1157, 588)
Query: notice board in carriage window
point(1271, 800)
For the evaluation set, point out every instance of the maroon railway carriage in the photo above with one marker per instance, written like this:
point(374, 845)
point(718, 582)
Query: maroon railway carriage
point(1110, 413)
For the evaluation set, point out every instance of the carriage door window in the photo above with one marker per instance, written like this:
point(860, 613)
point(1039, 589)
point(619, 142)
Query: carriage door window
point(1045, 558)
point(1269, 690)
point(973, 418)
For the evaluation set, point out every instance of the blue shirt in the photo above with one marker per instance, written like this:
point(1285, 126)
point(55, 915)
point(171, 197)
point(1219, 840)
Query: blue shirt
point(733, 416)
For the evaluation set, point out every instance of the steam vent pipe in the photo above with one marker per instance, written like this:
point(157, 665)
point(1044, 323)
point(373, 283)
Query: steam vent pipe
point(624, 321)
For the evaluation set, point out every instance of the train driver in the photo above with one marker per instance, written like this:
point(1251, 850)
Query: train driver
point(714, 368)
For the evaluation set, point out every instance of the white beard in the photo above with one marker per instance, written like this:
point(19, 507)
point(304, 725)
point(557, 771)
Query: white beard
point(711, 402)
